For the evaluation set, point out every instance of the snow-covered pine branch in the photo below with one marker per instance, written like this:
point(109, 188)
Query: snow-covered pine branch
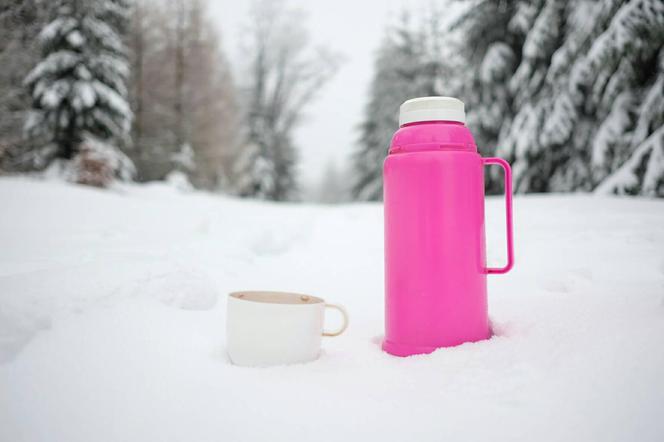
point(643, 171)
point(584, 96)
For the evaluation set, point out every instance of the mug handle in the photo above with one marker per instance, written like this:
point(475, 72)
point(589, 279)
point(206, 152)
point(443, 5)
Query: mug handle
point(344, 325)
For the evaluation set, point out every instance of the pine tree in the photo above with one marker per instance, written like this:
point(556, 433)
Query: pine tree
point(78, 89)
point(583, 104)
point(20, 23)
point(532, 96)
point(630, 55)
point(491, 35)
point(407, 65)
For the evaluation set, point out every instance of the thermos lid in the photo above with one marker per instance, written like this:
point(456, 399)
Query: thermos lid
point(432, 109)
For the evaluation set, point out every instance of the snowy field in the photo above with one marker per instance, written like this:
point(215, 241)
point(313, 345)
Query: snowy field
point(112, 308)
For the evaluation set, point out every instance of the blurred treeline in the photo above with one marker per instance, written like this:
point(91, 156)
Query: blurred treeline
point(571, 92)
point(104, 89)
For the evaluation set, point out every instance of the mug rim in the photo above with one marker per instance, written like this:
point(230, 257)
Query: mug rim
point(270, 297)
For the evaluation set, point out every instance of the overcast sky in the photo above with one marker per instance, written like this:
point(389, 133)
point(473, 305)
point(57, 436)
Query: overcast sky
point(352, 28)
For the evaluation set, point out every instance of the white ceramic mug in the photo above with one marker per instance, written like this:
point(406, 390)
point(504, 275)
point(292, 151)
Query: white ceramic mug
point(276, 328)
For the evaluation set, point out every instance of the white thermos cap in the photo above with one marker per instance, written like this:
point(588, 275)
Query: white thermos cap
point(432, 109)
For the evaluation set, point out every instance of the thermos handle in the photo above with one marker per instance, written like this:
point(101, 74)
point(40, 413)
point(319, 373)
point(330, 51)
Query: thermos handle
point(508, 211)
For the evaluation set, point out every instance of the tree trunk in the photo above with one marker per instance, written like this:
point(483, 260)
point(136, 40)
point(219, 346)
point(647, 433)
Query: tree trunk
point(138, 73)
point(179, 74)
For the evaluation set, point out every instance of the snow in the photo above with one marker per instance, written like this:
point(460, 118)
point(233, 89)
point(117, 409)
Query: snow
point(497, 63)
point(53, 64)
point(116, 102)
point(83, 96)
point(540, 42)
point(75, 39)
point(106, 36)
point(625, 178)
point(59, 26)
point(53, 96)
point(112, 311)
point(637, 18)
point(609, 133)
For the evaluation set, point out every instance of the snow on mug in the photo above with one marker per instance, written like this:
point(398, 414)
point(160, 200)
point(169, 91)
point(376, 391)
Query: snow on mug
point(276, 328)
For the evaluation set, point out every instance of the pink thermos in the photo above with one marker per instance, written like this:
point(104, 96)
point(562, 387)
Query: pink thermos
point(435, 256)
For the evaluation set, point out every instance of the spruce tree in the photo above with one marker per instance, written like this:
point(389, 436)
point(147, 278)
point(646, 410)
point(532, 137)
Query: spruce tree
point(78, 88)
point(490, 38)
point(627, 153)
point(583, 101)
point(407, 66)
point(20, 23)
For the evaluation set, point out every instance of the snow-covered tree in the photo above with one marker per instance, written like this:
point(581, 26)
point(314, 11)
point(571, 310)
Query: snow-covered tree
point(283, 75)
point(579, 92)
point(489, 36)
point(20, 23)
point(408, 64)
point(531, 97)
point(78, 89)
point(628, 57)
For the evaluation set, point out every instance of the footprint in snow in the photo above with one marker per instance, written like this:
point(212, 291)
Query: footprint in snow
point(17, 328)
point(271, 243)
point(281, 239)
point(378, 340)
point(181, 289)
point(559, 285)
point(584, 273)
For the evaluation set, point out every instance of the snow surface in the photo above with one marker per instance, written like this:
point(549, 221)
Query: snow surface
point(112, 311)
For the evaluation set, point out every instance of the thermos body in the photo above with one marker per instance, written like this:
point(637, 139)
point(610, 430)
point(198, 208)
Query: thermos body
point(435, 252)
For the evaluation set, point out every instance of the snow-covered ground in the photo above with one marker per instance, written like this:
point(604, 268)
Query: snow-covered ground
point(112, 309)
